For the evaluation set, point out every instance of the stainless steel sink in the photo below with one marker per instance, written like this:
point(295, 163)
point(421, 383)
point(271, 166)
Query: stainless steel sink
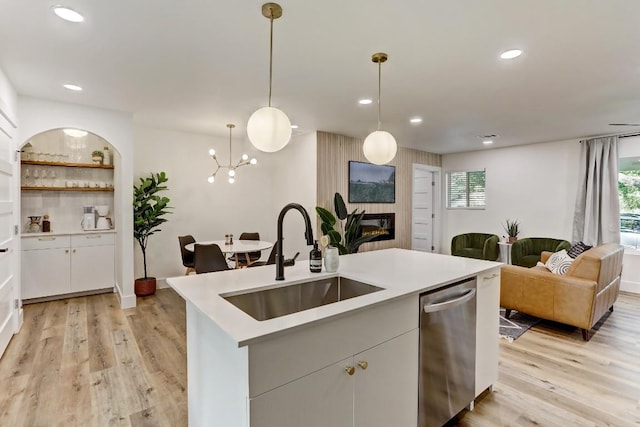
point(270, 303)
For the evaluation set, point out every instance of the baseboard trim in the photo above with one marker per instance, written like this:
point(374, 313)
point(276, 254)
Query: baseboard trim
point(126, 301)
point(630, 287)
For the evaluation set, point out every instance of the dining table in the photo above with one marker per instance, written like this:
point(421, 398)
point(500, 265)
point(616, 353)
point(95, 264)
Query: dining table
point(237, 247)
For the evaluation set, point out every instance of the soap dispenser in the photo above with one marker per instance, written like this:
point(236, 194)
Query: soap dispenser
point(315, 258)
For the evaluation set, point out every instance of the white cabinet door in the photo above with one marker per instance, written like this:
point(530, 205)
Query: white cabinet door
point(321, 399)
point(386, 392)
point(92, 267)
point(487, 329)
point(45, 272)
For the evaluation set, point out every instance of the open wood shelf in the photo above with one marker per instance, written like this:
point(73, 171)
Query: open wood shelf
point(66, 165)
point(68, 189)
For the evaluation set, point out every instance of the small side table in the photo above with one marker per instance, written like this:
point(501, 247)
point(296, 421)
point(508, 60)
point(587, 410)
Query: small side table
point(505, 252)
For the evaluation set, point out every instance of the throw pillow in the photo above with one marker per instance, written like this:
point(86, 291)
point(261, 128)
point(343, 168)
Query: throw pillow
point(577, 249)
point(559, 262)
point(541, 264)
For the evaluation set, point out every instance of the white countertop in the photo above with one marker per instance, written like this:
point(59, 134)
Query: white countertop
point(67, 233)
point(399, 271)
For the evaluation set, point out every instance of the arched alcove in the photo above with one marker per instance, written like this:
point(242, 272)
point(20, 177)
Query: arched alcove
point(38, 116)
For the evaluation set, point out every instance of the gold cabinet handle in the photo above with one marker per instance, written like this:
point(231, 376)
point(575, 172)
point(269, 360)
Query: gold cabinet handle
point(66, 251)
point(363, 364)
point(74, 251)
point(350, 370)
point(493, 276)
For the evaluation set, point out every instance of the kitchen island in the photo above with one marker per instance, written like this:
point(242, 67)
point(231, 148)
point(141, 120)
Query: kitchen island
point(349, 363)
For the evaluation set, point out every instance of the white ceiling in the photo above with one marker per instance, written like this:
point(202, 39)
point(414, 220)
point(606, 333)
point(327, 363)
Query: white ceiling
point(196, 65)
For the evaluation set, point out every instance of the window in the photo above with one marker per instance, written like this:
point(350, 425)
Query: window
point(629, 194)
point(465, 190)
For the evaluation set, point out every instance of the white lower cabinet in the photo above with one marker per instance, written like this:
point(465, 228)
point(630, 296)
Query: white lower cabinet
point(92, 262)
point(487, 329)
point(323, 398)
point(62, 264)
point(386, 392)
point(377, 387)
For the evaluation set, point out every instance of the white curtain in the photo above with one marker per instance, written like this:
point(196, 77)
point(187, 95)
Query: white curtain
point(597, 214)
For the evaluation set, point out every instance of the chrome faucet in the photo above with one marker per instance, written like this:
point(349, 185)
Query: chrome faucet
point(308, 234)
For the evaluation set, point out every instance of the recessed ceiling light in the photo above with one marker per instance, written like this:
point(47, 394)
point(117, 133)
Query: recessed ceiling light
point(294, 126)
point(67, 14)
point(415, 120)
point(487, 142)
point(72, 87)
point(76, 133)
point(510, 54)
point(365, 101)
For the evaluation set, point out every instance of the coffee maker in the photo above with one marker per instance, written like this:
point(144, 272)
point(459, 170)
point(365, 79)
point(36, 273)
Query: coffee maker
point(103, 222)
point(89, 218)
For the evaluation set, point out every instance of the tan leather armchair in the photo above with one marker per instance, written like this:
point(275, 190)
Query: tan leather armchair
point(579, 298)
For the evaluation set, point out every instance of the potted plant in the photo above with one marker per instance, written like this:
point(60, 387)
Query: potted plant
point(97, 156)
point(148, 211)
point(349, 232)
point(512, 229)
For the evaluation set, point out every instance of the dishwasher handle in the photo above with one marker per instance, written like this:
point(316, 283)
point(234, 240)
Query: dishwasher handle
point(432, 308)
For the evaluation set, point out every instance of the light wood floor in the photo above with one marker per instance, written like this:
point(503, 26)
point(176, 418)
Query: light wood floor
point(85, 362)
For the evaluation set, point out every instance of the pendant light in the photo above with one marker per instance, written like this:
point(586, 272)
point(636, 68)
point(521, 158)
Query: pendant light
point(269, 128)
point(244, 160)
point(380, 146)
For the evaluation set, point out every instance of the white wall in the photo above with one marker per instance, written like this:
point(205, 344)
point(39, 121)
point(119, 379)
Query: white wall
point(209, 211)
point(295, 180)
point(534, 184)
point(8, 98)
point(38, 115)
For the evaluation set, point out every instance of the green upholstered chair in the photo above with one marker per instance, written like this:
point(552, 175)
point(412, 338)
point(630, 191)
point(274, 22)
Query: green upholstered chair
point(476, 245)
point(526, 252)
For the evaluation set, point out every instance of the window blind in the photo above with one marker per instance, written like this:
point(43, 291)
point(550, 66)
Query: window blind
point(466, 190)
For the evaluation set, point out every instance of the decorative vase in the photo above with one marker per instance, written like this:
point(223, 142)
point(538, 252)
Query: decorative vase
point(97, 160)
point(331, 259)
point(145, 286)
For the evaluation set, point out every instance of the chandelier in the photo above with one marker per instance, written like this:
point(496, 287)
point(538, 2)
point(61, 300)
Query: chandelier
point(244, 160)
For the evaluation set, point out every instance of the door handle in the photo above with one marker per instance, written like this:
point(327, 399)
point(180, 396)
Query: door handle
point(4, 249)
point(431, 308)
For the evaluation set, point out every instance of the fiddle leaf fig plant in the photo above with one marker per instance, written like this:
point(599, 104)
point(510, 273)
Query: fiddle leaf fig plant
point(148, 210)
point(346, 238)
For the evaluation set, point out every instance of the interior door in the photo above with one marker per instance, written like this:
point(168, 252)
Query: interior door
point(8, 258)
point(423, 208)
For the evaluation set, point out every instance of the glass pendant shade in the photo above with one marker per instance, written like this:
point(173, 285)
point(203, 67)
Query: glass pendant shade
point(380, 147)
point(269, 129)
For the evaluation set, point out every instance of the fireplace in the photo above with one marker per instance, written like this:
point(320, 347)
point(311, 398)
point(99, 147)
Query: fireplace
point(381, 225)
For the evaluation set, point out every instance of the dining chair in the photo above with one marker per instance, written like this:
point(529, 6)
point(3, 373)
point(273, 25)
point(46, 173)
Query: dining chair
point(272, 259)
point(241, 258)
point(209, 258)
point(187, 256)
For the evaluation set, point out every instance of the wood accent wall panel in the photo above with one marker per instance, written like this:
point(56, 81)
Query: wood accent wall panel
point(334, 153)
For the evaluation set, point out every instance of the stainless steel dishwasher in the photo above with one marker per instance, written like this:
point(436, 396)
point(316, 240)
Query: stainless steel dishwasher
point(447, 352)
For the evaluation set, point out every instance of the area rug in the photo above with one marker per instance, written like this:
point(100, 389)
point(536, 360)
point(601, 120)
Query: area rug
point(516, 325)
